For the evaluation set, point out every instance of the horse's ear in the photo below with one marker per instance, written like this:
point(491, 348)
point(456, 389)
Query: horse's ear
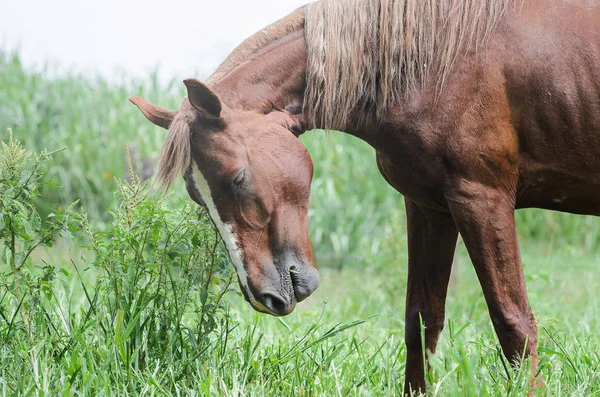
point(160, 116)
point(203, 99)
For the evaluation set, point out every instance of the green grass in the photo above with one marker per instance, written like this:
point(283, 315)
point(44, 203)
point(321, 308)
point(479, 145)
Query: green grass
point(89, 116)
point(347, 339)
point(306, 354)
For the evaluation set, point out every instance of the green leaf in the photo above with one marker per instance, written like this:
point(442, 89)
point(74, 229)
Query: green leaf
point(6, 255)
point(25, 236)
point(67, 238)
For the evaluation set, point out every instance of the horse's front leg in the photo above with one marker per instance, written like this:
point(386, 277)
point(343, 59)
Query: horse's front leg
point(431, 243)
point(484, 216)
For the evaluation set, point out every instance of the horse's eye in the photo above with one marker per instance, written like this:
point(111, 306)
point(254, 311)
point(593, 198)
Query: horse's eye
point(240, 179)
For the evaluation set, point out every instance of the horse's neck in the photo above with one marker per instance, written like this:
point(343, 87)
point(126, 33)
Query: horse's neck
point(275, 76)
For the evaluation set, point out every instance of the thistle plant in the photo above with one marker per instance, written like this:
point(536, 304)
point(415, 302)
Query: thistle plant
point(152, 282)
point(21, 228)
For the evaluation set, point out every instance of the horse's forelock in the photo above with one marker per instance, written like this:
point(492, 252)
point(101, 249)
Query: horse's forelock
point(175, 155)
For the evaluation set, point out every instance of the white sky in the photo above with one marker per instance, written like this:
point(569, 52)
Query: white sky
point(183, 38)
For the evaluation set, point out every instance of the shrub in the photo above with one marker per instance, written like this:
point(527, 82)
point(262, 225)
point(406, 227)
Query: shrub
point(152, 289)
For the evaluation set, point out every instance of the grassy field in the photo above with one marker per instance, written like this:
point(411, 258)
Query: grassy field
point(85, 318)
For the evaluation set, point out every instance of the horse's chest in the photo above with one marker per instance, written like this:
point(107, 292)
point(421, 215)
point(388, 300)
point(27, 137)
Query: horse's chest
point(413, 176)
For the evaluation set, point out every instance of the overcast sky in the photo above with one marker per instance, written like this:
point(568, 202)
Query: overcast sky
point(135, 36)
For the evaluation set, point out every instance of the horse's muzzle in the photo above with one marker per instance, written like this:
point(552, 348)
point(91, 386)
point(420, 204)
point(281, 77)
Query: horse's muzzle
point(305, 281)
point(279, 297)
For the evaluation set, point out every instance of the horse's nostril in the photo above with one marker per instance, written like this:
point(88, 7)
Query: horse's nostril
point(275, 303)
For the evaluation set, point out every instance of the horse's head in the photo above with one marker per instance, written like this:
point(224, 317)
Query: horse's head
point(253, 175)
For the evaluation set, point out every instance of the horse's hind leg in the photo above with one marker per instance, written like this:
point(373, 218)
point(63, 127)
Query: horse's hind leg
point(485, 218)
point(431, 244)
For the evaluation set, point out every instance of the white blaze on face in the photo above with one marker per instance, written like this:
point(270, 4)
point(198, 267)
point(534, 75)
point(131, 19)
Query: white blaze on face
point(225, 230)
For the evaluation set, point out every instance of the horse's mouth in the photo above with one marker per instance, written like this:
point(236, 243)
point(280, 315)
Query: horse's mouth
point(273, 305)
point(305, 281)
point(302, 284)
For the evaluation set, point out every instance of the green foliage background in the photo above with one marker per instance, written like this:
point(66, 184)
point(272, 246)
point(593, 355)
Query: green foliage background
point(352, 210)
point(345, 340)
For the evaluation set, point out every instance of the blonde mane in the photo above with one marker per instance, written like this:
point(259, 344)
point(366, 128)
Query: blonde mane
point(368, 53)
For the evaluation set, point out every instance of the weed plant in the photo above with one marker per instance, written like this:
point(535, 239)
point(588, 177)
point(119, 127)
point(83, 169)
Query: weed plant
point(158, 278)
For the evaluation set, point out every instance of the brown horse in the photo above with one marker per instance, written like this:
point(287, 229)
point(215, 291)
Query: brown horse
point(475, 108)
